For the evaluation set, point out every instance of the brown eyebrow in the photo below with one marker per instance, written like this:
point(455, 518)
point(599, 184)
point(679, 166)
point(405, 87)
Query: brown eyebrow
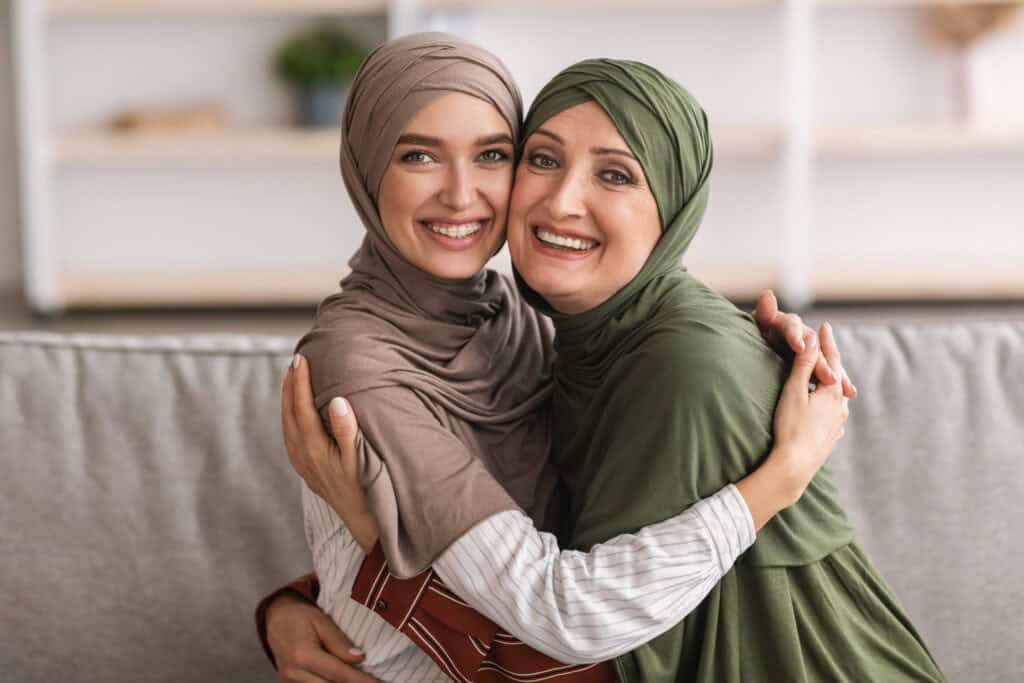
point(548, 133)
point(613, 150)
point(497, 139)
point(428, 141)
point(593, 150)
point(415, 139)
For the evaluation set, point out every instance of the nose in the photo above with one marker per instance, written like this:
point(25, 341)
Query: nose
point(567, 197)
point(460, 189)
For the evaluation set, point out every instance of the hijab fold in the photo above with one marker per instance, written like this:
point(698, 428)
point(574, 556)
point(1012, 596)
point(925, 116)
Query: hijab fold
point(448, 378)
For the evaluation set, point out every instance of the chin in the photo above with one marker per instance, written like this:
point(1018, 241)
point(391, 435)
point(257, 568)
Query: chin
point(462, 269)
point(546, 284)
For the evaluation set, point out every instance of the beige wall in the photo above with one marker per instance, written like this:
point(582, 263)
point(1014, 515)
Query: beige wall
point(10, 242)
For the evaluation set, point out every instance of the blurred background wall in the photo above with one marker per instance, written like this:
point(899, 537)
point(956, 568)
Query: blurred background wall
point(915, 151)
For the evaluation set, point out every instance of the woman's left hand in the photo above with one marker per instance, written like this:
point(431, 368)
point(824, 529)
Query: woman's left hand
point(785, 332)
point(329, 465)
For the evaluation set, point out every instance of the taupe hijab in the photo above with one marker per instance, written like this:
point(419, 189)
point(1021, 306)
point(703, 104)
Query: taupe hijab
point(448, 379)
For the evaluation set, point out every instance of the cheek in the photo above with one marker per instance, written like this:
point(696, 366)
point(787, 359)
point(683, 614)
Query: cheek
point(400, 197)
point(496, 189)
point(528, 190)
point(642, 230)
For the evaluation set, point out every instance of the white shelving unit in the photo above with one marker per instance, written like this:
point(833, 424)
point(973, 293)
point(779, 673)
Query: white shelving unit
point(64, 9)
point(53, 281)
point(52, 153)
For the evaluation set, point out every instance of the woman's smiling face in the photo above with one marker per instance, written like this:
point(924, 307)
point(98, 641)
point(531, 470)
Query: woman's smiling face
point(582, 219)
point(443, 199)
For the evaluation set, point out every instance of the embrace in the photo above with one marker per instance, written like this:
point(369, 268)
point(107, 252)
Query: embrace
point(600, 470)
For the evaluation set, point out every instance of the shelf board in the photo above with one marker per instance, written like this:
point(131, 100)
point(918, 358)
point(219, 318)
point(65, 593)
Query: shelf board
point(187, 8)
point(292, 144)
point(904, 3)
point(677, 5)
point(736, 281)
point(917, 138)
point(293, 286)
point(745, 141)
point(256, 144)
point(894, 279)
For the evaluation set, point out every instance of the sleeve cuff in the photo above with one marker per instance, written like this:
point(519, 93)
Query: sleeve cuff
point(729, 524)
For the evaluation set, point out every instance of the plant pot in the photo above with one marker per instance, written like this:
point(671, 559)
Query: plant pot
point(320, 105)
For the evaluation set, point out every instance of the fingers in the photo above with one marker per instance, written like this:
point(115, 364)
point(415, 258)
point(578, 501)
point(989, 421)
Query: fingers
point(823, 374)
point(336, 642)
point(343, 425)
point(329, 668)
point(849, 390)
point(831, 351)
point(803, 368)
point(767, 309)
point(306, 417)
point(289, 428)
point(794, 331)
point(292, 675)
point(829, 348)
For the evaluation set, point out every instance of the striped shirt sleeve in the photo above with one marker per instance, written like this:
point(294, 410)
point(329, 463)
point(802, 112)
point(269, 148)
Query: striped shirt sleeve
point(588, 607)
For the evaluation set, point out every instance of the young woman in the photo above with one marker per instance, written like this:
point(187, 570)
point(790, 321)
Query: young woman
point(448, 373)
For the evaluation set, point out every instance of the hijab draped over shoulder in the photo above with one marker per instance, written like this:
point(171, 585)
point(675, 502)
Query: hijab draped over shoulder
point(449, 379)
point(664, 394)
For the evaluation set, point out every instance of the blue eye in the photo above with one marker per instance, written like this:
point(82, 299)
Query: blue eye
point(616, 177)
point(542, 160)
point(416, 157)
point(494, 155)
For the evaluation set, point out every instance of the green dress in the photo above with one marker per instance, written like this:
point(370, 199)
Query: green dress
point(664, 394)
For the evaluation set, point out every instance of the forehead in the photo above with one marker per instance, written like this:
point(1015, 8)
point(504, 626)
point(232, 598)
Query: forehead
point(585, 125)
point(457, 117)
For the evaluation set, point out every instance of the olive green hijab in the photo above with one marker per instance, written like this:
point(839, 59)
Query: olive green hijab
point(665, 393)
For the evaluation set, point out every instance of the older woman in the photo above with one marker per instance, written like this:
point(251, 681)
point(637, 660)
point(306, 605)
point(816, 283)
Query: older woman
point(448, 373)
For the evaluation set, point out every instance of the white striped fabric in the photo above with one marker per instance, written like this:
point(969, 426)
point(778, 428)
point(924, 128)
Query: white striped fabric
point(588, 607)
point(390, 655)
point(576, 607)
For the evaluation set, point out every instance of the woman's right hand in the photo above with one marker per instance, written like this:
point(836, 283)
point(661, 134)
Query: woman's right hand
point(808, 425)
point(308, 646)
point(328, 463)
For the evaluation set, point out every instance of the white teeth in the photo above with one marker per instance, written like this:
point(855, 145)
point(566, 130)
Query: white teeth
point(565, 242)
point(457, 231)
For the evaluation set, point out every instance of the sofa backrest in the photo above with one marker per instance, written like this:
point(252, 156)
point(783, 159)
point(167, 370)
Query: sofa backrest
point(146, 502)
point(932, 472)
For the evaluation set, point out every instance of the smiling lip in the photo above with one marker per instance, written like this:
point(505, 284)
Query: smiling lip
point(456, 243)
point(559, 253)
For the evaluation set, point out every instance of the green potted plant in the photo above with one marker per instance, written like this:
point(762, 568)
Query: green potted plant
point(319, 63)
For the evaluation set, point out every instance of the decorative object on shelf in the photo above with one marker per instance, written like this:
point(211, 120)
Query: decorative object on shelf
point(205, 117)
point(964, 25)
point(320, 63)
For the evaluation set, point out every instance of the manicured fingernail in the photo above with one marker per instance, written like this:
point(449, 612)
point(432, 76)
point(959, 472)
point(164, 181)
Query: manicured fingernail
point(829, 326)
point(811, 340)
point(296, 361)
point(356, 652)
point(338, 407)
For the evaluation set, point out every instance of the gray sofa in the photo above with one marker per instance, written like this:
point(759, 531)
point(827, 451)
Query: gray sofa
point(146, 502)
